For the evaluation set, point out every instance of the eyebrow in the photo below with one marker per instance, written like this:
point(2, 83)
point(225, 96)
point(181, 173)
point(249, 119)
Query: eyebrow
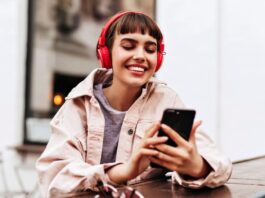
point(135, 41)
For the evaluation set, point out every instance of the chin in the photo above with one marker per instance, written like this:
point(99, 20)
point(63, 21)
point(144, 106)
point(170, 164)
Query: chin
point(137, 84)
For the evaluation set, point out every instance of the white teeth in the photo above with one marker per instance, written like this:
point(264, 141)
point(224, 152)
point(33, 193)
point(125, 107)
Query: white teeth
point(134, 68)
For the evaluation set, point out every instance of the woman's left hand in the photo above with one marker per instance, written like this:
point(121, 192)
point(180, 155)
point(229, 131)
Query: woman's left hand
point(184, 158)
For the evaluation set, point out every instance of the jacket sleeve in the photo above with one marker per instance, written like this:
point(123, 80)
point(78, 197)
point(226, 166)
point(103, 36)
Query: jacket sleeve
point(61, 167)
point(219, 162)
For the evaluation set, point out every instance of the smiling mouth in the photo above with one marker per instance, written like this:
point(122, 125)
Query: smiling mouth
point(136, 68)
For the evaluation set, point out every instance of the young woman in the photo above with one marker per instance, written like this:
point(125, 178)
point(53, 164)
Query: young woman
point(106, 130)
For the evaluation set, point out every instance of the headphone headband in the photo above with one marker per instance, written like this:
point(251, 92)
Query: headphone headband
point(102, 38)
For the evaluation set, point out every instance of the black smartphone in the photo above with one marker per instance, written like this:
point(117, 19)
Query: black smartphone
point(181, 120)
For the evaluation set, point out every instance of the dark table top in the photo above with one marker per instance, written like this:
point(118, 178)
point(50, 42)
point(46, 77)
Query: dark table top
point(247, 180)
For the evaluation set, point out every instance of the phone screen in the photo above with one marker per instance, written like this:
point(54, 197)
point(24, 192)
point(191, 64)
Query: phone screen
point(180, 120)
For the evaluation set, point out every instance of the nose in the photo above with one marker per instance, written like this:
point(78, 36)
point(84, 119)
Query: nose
point(139, 54)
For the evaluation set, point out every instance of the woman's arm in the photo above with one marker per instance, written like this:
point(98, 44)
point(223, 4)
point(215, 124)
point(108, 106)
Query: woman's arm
point(62, 166)
point(197, 162)
point(140, 159)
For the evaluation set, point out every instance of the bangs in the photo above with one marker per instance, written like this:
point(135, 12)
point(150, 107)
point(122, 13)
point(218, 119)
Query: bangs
point(133, 23)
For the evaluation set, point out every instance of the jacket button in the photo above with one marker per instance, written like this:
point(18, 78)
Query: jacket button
point(130, 131)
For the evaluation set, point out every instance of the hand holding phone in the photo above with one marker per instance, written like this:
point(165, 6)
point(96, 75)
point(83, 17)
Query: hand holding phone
point(180, 120)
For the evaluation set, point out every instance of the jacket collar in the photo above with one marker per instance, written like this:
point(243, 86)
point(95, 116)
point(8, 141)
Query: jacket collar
point(85, 87)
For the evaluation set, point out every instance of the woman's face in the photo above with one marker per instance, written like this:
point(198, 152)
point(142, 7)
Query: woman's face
point(134, 59)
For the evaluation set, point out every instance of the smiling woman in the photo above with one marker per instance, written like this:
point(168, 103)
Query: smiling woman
point(106, 131)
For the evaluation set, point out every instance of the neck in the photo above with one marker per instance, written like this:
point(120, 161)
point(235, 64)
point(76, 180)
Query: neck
point(121, 97)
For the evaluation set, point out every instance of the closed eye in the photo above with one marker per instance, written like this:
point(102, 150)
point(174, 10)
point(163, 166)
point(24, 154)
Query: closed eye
point(151, 49)
point(128, 44)
point(127, 47)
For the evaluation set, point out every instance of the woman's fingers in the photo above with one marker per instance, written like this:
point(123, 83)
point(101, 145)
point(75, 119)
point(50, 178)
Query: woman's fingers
point(172, 155)
point(165, 164)
point(193, 131)
point(154, 141)
point(168, 161)
point(173, 135)
point(152, 130)
point(148, 152)
point(177, 138)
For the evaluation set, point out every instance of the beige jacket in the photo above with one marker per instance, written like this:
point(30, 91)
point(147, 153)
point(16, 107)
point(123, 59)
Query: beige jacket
point(71, 160)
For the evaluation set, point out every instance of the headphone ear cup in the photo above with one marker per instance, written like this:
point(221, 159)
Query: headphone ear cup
point(104, 57)
point(159, 60)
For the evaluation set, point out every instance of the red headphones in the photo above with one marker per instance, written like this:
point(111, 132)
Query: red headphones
point(103, 53)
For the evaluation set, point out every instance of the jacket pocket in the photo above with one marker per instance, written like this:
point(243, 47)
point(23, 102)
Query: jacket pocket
point(94, 147)
point(141, 128)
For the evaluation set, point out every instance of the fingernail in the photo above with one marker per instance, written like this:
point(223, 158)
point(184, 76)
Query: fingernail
point(165, 138)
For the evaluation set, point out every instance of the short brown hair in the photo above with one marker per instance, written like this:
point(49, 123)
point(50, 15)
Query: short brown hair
point(131, 23)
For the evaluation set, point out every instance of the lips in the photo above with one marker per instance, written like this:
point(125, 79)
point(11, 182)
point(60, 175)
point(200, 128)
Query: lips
point(137, 68)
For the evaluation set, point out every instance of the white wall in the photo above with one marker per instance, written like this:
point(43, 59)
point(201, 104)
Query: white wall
point(215, 60)
point(243, 77)
point(190, 64)
point(12, 39)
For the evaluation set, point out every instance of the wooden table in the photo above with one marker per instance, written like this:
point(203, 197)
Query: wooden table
point(248, 179)
point(245, 182)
